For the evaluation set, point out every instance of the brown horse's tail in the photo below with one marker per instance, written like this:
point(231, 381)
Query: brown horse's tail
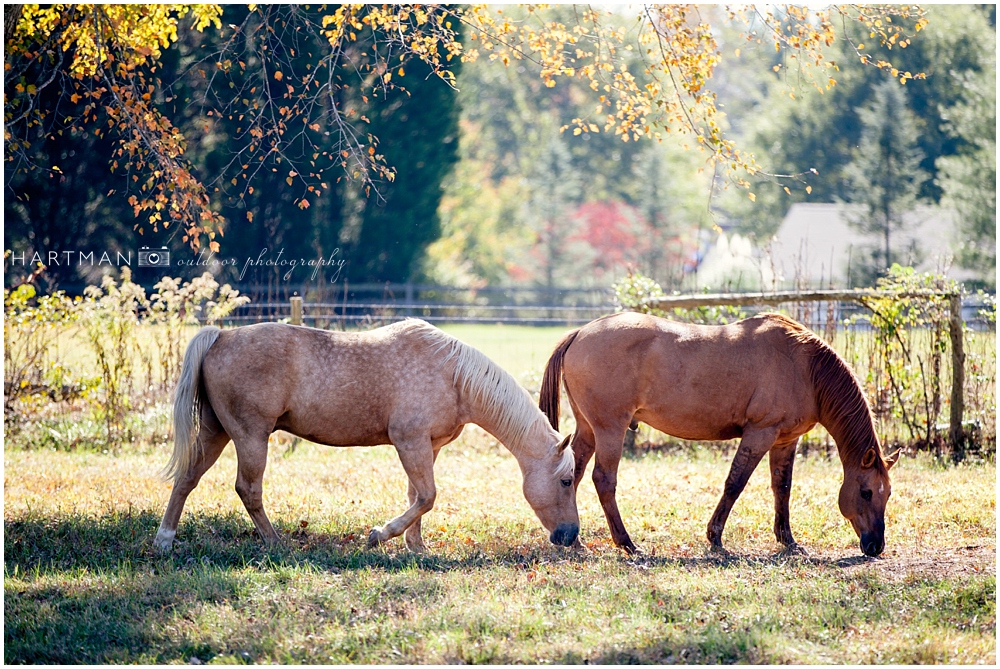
point(548, 400)
point(187, 404)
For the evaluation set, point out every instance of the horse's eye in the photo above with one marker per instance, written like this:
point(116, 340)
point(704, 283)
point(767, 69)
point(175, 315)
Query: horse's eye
point(866, 494)
point(568, 482)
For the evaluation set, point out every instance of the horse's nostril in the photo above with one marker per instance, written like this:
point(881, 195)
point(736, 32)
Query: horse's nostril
point(565, 534)
point(872, 548)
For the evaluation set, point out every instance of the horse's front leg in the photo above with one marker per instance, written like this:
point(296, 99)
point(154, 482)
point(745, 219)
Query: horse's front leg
point(417, 457)
point(781, 459)
point(608, 456)
point(415, 542)
point(755, 443)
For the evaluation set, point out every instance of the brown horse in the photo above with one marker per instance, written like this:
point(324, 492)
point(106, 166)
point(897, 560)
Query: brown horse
point(766, 379)
point(407, 384)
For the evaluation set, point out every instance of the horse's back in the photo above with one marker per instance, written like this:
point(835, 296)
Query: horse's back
point(691, 381)
point(331, 387)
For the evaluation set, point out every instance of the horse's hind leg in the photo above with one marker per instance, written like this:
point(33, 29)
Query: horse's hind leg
point(583, 444)
point(583, 449)
point(417, 457)
point(781, 459)
point(753, 446)
point(609, 455)
point(251, 452)
point(213, 439)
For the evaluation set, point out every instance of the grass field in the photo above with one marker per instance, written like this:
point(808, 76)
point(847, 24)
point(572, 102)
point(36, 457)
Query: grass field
point(82, 583)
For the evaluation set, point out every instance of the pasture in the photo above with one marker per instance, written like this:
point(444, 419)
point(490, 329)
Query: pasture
point(82, 583)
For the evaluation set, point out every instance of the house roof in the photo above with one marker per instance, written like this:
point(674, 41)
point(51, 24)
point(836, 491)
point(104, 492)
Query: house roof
point(817, 239)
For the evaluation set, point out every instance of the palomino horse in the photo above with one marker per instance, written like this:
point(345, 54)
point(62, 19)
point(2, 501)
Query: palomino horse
point(766, 379)
point(407, 384)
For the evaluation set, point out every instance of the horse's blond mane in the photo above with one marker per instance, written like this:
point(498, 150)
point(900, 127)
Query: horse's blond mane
point(841, 402)
point(506, 404)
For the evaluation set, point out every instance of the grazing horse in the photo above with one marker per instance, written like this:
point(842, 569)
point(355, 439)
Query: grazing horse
point(765, 379)
point(406, 384)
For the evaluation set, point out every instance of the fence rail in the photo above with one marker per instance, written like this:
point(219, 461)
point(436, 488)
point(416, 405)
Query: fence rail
point(324, 314)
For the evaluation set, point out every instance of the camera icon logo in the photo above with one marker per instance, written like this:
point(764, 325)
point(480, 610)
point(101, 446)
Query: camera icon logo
point(154, 258)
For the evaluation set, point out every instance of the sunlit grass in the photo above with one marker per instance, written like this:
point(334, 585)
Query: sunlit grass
point(83, 584)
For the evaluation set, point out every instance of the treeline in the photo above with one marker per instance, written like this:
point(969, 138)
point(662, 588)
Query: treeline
point(379, 232)
point(943, 128)
point(529, 203)
point(495, 184)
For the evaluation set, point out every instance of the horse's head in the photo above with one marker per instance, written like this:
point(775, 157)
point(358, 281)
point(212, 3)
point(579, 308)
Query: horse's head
point(863, 497)
point(548, 487)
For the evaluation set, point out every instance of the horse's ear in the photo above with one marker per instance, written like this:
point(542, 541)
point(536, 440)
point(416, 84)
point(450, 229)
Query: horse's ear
point(564, 443)
point(868, 459)
point(893, 458)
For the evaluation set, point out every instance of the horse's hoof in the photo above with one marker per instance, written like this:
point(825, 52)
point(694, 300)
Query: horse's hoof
point(718, 550)
point(793, 549)
point(416, 547)
point(374, 537)
point(163, 541)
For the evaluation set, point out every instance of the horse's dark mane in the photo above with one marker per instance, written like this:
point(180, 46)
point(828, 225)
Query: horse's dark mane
point(843, 408)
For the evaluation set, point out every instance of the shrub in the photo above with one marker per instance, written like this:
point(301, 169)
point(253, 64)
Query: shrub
point(33, 373)
point(136, 343)
point(633, 292)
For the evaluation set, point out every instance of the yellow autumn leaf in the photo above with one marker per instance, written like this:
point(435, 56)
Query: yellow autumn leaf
point(278, 75)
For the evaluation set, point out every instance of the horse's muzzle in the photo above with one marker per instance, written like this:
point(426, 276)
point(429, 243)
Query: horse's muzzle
point(872, 544)
point(565, 534)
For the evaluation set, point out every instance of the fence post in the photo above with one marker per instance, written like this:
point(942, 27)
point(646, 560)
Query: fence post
point(955, 432)
point(296, 318)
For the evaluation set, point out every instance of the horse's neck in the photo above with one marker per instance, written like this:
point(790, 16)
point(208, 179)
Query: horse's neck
point(849, 421)
point(518, 438)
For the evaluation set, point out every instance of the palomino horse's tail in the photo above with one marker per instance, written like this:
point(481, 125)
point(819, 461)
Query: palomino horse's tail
point(187, 403)
point(548, 399)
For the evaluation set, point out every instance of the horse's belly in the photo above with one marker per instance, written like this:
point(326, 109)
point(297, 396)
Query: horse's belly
point(697, 428)
point(345, 432)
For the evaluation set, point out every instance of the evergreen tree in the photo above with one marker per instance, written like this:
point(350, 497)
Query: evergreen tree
point(969, 179)
point(555, 189)
point(418, 134)
point(819, 130)
point(885, 173)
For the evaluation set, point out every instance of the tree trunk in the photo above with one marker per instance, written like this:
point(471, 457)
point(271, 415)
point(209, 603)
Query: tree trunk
point(11, 15)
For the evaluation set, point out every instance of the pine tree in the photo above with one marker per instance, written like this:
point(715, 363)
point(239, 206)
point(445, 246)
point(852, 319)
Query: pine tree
point(555, 188)
point(885, 174)
point(969, 179)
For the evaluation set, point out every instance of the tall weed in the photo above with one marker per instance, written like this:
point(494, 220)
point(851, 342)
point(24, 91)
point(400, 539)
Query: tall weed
point(33, 372)
point(135, 345)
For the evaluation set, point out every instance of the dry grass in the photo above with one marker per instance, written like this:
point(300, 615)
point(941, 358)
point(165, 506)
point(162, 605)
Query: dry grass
point(82, 583)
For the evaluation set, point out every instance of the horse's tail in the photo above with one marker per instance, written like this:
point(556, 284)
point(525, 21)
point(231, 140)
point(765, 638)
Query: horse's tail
point(187, 404)
point(548, 399)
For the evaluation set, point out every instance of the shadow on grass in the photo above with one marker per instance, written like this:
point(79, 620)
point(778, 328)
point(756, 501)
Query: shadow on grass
point(110, 620)
point(735, 561)
point(83, 590)
point(39, 545)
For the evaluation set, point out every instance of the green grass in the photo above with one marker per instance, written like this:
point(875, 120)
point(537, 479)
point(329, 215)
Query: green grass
point(82, 583)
